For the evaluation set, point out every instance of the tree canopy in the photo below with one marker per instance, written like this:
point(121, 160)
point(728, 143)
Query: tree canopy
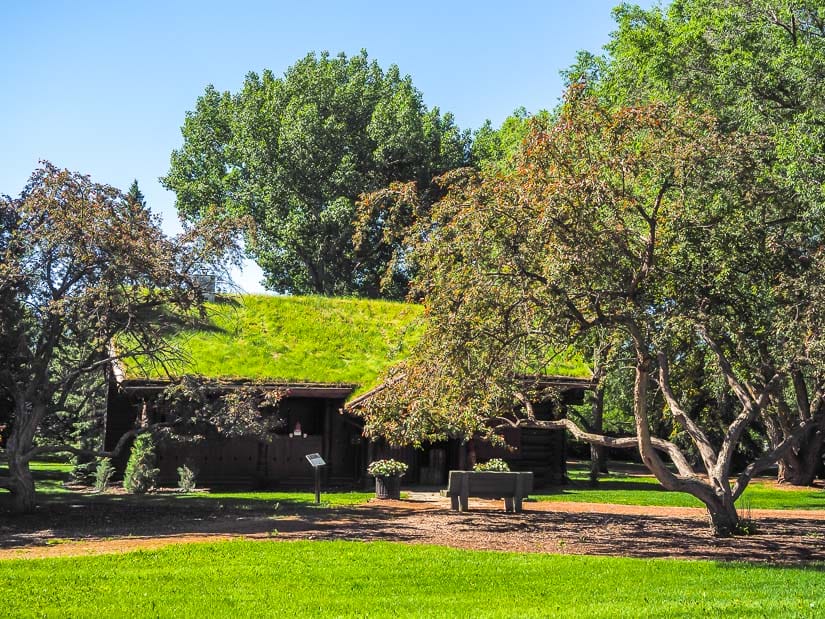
point(757, 66)
point(296, 152)
point(646, 222)
point(83, 266)
point(675, 207)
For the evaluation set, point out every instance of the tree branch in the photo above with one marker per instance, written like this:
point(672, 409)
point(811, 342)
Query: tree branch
point(770, 458)
point(701, 440)
point(628, 442)
point(77, 451)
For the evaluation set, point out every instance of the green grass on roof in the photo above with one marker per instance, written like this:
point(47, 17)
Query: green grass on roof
point(297, 339)
point(306, 339)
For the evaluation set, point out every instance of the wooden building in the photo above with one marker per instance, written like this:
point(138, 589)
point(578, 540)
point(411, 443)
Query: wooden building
point(308, 421)
point(321, 353)
point(544, 452)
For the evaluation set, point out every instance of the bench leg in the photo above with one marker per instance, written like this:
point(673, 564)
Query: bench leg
point(519, 493)
point(464, 494)
point(454, 502)
point(508, 504)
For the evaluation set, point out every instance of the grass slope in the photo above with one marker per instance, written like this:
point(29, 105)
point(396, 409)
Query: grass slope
point(328, 579)
point(297, 339)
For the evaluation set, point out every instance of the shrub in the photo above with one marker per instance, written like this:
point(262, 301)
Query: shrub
point(103, 474)
point(387, 468)
point(496, 464)
point(186, 478)
point(85, 472)
point(140, 474)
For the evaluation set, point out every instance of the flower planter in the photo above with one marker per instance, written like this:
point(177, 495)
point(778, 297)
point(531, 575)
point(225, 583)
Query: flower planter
point(388, 487)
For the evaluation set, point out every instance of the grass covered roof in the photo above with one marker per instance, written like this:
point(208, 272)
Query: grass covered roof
point(295, 339)
point(303, 340)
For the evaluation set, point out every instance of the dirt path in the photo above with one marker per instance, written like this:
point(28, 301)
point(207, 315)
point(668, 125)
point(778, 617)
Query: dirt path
point(425, 518)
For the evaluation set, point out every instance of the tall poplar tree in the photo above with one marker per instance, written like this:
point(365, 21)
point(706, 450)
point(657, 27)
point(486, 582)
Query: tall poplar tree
point(296, 152)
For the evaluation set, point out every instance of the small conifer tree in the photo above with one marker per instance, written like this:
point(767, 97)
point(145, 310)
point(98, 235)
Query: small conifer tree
point(141, 474)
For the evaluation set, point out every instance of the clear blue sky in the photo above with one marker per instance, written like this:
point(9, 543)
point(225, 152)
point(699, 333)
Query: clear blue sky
point(102, 87)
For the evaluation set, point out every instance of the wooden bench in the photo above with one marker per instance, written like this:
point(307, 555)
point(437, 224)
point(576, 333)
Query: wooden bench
point(512, 487)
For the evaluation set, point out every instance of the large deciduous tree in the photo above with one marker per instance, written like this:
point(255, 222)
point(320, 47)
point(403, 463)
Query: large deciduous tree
point(651, 226)
point(296, 152)
point(759, 66)
point(86, 277)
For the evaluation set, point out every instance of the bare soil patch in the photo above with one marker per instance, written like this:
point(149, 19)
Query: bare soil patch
point(784, 537)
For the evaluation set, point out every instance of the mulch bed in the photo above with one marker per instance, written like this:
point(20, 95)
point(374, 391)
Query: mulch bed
point(783, 537)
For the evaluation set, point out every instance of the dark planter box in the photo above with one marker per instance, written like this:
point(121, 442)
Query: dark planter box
point(388, 487)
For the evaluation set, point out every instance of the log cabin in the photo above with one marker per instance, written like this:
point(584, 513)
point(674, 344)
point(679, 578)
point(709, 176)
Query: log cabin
point(324, 355)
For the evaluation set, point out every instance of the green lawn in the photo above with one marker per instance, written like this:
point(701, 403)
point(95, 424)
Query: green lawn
point(640, 489)
point(328, 498)
point(329, 579)
point(50, 477)
point(629, 488)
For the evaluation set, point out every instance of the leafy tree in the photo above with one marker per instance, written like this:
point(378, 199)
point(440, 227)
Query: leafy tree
point(648, 224)
point(759, 66)
point(82, 267)
point(497, 147)
point(296, 152)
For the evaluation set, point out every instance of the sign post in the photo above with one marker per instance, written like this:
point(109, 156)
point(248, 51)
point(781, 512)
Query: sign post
point(316, 461)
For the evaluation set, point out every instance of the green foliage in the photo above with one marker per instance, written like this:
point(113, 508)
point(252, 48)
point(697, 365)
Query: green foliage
point(135, 195)
point(140, 474)
point(495, 464)
point(387, 468)
point(496, 149)
point(103, 474)
point(758, 68)
point(187, 478)
point(83, 265)
point(334, 579)
point(298, 339)
point(296, 152)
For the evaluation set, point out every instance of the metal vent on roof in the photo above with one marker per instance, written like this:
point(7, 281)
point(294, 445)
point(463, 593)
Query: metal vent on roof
point(207, 284)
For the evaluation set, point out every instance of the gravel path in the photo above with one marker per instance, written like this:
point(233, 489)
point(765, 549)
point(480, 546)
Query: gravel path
point(786, 537)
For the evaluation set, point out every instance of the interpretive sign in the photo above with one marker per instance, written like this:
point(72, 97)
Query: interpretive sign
point(316, 460)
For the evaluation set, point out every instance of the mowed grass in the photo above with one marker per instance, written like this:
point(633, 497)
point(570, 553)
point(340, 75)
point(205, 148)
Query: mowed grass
point(621, 488)
point(331, 579)
point(328, 498)
point(50, 478)
point(645, 490)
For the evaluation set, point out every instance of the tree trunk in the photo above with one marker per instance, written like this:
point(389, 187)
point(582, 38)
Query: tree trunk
point(724, 520)
point(717, 496)
point(598, 461)
point(799, 467)
point(21, 481)
point(471, 454)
